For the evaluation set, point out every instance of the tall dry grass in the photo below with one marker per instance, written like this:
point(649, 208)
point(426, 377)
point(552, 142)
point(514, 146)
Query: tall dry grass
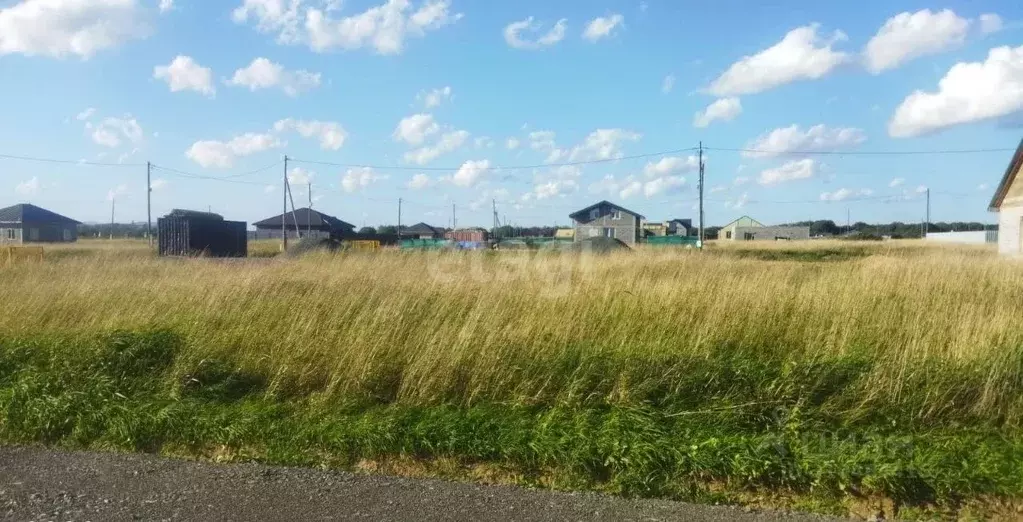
point(938, 330)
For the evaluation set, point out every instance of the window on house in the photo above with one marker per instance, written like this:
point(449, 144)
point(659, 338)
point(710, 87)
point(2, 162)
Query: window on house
point(616, 214)
point(595, 213)
point(728, 234)
point(748, 236)
point(9, 233)
point(609, 232)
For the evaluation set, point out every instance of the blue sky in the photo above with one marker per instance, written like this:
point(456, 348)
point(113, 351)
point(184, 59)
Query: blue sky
point(447, 100)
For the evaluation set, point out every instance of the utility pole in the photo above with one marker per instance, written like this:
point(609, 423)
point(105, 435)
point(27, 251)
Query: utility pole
point(284, 192)
point(149, 203)
point(927, 220)
point(701, 194)
point(294, 217)
point(112, 203)
point(399, 220)
point(454, 221)
point(494, 232)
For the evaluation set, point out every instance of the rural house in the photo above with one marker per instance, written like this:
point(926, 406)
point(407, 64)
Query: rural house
point(309, 222)
point(749, 229)
point(26, 223)
point(608, 220)
point(422, 231)
point(1008, 202)
point(672, 227)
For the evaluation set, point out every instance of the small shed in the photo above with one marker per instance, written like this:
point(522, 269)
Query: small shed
point(193, 233)
point(1008, 202)
point(27, 223)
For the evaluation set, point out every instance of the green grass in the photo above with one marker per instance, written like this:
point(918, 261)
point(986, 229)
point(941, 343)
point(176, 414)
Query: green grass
point(733, 425)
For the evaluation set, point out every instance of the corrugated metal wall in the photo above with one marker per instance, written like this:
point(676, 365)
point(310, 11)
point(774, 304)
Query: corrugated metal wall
point(194, 237)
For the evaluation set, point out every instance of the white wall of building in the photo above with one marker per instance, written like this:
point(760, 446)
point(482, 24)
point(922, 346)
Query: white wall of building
point(963, 238)
point(1009, 223)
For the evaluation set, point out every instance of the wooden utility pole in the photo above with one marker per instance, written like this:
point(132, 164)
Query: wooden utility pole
point(149, 203)
point(284, 212)
point(294, 218)
point(927, 220)
point(701, 194)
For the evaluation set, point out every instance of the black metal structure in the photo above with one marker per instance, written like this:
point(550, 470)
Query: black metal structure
point(192, 233)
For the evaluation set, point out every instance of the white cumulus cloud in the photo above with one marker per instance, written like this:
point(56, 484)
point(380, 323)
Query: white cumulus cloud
point(800, 55)
point(843, 194)
point(29, 187)
point(514, 34)
point(384, 28)
point(359, 178)
point(793, 139)
point(990, 23)
point(791, 171)
point(212, 153)
point(414, 129)
point(434, 97)
point(184, 74)
point(725, 109)
point(470, 173)
point(512, 143)
point(668, 84)
point(264, 74)
point(111, 131)
point(969, 92)
point(602, 27)
point(166, 5)
point(59, 28)
point(448, 142)
point(663, 185)
point(419, 181)
point(897, 182)
point(671, 165)
point(906, 36)
point(331, 135)
point(603, 144)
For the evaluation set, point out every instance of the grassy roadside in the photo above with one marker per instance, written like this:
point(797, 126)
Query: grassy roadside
point(134, 391)
point(823, 376)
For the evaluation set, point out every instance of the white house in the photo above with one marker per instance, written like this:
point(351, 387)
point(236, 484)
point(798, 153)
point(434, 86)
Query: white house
point(1008, 202)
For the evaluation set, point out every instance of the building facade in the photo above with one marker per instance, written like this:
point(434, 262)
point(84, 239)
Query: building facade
point(1008, 202)
point(606, 219)
point(26, 223)
point(749, 229)
point(303, 222)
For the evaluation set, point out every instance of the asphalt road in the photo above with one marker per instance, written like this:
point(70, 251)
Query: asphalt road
point(43, 484)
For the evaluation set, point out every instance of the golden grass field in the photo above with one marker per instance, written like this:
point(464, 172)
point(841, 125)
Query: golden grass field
point(484, 325)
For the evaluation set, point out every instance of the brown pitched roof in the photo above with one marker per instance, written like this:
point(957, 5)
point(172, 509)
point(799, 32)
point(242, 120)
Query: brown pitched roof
point(1008, 178)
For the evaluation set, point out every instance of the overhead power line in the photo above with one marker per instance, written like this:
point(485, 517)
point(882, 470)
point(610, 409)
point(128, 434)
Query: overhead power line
point(226, 179)
point(497, 167)
point(70, 162)
point(860, 153)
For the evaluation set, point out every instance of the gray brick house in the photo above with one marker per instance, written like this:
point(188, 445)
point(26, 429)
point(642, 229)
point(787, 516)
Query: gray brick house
point(28, 223)
point(608, 220)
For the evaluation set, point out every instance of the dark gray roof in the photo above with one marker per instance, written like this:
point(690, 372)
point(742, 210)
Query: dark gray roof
point(306, 217)
point(604, 202)
point(28, 213)
point(421, 228)
point(194, 214)
point(1008, 178)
